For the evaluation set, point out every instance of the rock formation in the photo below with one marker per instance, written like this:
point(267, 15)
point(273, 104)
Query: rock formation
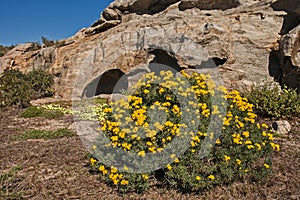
point(285, 60)
point(240, 36)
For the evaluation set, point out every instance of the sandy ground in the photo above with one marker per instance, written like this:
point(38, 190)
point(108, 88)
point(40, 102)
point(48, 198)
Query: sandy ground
point(58, 168)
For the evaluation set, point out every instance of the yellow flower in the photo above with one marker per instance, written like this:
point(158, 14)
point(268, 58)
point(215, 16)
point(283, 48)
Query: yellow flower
point(246, 134)
point(102, 168)
point(125, 168)
point(145, 177)
point(198, 178)
point(113, 169)
point(238, 161)
point(248, 142)
point(266, 166)
point(94, 147)
point(169, 167)
point(116, 181)
point(93, 161)
point(114, 138)
point(141, 153)
point(211, 177)
point(124, 182)
point(161, 90)
point(258, 146)
point(226, 158)
point(149, 143)
point(264, 126)
point(146, 91)
point(176, 160)
point(218, 141)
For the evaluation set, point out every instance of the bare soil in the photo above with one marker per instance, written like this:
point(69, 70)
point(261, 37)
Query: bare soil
point(58, 168)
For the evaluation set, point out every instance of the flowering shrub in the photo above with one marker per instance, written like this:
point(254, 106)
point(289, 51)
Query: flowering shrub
point(177, 111)
point(271, 101)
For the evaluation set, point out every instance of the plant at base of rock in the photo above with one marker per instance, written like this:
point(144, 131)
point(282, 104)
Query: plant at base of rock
point(271, 101)
point(241, 152)
point(43, 134)
point(14, 89)
point(17, 88)
point(5, 49)
point(41, 82)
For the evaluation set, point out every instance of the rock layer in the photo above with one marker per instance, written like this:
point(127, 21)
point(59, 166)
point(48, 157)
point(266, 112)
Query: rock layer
point(238, 36)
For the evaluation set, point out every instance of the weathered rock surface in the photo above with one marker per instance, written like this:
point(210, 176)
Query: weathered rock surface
point(209, 4)
point(282, 127)
point(237, 35)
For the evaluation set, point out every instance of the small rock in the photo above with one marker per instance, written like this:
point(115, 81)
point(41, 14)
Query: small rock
point(282, 127)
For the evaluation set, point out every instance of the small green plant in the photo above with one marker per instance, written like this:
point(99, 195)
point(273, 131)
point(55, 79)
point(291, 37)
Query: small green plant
point(34, 111)
point(31, 112)
point(9, 184)
point(43, 134)
point(271, 101)
point(17, 88)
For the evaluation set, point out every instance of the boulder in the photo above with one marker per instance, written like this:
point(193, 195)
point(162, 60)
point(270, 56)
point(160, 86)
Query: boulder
point(281, 127)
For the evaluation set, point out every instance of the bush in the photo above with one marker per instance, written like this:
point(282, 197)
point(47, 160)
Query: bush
point(171, 132)
point(271, 101)
point(14, 89)
point(41, 83)
point(17, 88)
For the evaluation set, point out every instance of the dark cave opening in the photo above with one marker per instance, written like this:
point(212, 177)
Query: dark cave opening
point(110, 82)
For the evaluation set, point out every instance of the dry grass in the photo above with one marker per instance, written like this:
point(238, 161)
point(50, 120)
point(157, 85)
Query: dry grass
point(57, 168)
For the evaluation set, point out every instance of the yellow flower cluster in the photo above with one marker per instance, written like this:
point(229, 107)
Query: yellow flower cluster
point(115, 177)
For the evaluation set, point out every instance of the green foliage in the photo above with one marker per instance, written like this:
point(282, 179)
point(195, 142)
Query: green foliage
point(9, 182)
point(31, 112)
point(41, 82)
point(34, 111)
point(43, 134)
point(14, 89)
point(17, 88)
point(271, 101)
point(241, 152)
point(5, 49)
point(50, 43)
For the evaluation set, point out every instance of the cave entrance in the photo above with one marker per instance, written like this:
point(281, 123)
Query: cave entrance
point(110, 82)
point(163, 61)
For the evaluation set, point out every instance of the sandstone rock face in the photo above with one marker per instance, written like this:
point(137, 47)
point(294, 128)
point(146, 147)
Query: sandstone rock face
point(133, 34)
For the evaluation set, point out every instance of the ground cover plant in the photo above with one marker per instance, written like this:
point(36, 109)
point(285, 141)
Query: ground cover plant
point(241, 152)
point(43, 134)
